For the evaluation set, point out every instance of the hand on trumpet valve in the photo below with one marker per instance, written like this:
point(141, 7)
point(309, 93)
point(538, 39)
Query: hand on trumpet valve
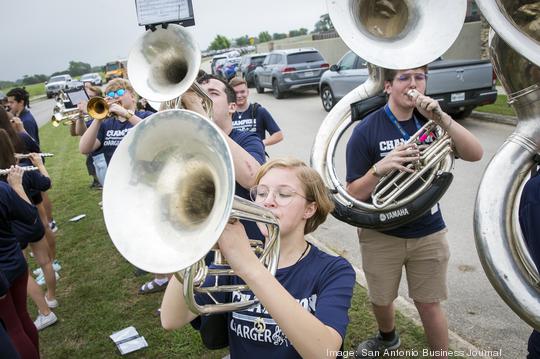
point(398, 159)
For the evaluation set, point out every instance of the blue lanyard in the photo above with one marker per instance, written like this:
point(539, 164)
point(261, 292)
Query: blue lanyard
point(395, 121)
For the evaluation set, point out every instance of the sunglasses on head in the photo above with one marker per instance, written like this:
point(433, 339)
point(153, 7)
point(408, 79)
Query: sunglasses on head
point(118, 93)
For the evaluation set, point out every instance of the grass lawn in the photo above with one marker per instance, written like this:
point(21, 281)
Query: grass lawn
point(33, 90)
point(97, 290)
point(499, 107)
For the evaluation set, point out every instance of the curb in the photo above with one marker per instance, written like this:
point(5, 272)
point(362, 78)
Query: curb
point(493, 117)
point(455, 341)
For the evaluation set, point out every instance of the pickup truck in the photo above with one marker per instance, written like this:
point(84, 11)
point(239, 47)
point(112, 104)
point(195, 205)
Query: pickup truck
point(458, 85)
point(61, 83)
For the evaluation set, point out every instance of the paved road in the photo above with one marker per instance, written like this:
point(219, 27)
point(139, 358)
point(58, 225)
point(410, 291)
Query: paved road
point(474, 309)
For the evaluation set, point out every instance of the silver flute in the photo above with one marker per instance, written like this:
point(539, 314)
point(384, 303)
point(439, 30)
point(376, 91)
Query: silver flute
point(27, 155)
point(25, 168)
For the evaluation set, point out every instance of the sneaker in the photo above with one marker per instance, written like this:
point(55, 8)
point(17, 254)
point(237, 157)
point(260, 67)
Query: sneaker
point(51, 303)
point(40, 280)
point(43, 321)
point(53, 226)
point(376, 346)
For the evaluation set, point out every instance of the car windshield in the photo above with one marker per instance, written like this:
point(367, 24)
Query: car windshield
point(57, 79)
point(300, 57)
point(87, 77)
point(258, 60)
point(111, 67)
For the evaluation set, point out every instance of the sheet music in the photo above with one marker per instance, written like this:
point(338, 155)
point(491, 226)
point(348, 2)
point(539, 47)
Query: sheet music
point(162, 11)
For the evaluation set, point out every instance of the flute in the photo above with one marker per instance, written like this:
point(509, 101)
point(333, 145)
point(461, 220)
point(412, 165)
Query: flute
point(27, 155)
point(25, 168)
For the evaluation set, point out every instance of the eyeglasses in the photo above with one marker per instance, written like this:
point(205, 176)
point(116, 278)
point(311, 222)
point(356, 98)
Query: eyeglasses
point(283, 195)
point(407, 77)
point(118, 93)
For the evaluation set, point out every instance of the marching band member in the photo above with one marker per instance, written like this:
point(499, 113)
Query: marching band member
point(374, 149)
point(303, 309)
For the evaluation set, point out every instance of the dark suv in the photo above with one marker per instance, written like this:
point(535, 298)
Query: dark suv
point(286, 70)
point(248, 64)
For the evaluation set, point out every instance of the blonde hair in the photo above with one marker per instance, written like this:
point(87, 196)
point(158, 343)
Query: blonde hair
point(312, 184)
point(117, 84)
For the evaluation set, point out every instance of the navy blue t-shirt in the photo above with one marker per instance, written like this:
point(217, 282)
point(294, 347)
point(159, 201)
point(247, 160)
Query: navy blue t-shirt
point(263, 121)
point(253, 145)
point(13, 208)
point(111, 132)
point(372, 139)
point(30, 124)
point(529, 220)
point(321, 283)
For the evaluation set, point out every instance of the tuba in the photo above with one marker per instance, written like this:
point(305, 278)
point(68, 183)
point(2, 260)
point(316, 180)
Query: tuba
point(397, 34)
point(172, 176)
point(515, 54)
point(163, 64)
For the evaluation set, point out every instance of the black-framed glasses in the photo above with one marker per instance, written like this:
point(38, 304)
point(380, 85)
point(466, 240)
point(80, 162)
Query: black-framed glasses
point(408, 77)
point(283, 195)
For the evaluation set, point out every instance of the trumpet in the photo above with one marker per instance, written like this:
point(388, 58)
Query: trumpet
point(27, 155)
point(98, 107)
point(25, 168)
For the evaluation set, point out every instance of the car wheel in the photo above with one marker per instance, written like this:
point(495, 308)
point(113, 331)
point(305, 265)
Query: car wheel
point(276, 91)
point(327, 98)
point(49, 95)
point(258, 86)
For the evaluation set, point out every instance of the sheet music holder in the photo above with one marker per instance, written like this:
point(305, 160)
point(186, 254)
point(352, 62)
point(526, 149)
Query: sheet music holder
point(151, 13)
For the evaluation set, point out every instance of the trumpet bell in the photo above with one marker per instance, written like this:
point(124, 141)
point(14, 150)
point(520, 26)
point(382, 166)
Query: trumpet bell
point(97, 108)
point(164, 63)
point(171, 192)
point(398, 34)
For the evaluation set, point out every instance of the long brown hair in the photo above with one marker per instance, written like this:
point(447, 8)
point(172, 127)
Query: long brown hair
point(7, 152)
point(5, 124)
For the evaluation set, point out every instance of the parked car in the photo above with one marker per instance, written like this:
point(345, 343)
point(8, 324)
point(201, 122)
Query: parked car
point(93, 78)
point(458, 85)
point(58, 83)
point(249, 63)
point(214, 61)
point(286, 70)
point(218, 67)
point(228, 70)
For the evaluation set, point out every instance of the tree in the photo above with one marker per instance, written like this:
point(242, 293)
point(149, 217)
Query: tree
point(299, 32)
point(220, 42)
point(324, 24)
point(264, 37)
point(34, 79)
point(242, 41)
point(279, 36)
point(78, 68)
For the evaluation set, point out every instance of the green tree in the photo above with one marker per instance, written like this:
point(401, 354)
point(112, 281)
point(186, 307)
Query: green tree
point(324, 24)
point(220, 42)
point(78, 68)
point(299, 32)
point(279, 36)
point(34, 79)
point(242, 41)
point(264, 37)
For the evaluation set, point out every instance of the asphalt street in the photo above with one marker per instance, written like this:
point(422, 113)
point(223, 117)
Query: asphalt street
point(474, 309)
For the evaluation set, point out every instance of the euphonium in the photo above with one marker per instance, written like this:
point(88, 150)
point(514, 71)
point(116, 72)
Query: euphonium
point(400, 34)
point(515, 54)
point(172, 177)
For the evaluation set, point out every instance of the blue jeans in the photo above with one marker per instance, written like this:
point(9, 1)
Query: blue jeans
point(101, 167)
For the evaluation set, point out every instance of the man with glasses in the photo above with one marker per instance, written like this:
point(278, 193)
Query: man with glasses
point(105, 135)
point(375, 148)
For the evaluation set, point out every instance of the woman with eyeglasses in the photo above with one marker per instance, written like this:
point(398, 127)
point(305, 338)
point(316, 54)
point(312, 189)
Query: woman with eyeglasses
point(105, 135)
point(376, 147)
point(302, 311)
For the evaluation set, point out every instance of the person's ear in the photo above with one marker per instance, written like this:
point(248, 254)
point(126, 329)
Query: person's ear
point(232, 107)
point(310, 210)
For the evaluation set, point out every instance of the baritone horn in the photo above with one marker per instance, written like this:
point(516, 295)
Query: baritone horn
point(514, 46)
point(173, 176)
point(398, 34)
point(163, 64)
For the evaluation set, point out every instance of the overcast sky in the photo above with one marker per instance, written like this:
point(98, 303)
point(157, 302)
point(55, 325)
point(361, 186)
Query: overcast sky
point(41, 37)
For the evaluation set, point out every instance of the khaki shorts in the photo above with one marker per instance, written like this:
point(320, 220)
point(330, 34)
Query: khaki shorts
point(425, 260)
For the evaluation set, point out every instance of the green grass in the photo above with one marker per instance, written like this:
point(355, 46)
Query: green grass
point(97, 291)
point(499, 107)
point(34, 90)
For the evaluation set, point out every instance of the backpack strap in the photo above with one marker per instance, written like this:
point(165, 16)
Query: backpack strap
point(254, 108)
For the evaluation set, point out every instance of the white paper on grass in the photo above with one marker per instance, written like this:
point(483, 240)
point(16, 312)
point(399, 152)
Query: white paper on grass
point(128, 340)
